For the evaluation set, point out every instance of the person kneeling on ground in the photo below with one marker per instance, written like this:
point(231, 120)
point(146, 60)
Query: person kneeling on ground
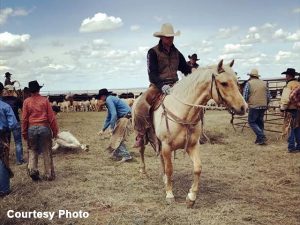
point(117, 122)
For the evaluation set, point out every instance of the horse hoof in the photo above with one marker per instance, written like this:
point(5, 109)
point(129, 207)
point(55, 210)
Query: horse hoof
point(170, 201)
point(142, 171)
point(189, 203)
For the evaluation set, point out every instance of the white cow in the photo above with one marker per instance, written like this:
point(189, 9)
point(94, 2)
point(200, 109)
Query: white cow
point(66, 140)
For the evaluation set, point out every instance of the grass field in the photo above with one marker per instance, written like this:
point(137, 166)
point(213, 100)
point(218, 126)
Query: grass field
point(241, 183)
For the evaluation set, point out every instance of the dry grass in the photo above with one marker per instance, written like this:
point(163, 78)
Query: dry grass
point(241, 183)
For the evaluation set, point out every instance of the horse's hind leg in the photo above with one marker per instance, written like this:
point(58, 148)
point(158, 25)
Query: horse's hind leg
point(143, 166)
point(195, 157)
point(168, 169)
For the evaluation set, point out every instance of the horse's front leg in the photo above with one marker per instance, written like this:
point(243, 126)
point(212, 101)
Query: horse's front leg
point(194, 154)
point(142, 154)
point(168, 171)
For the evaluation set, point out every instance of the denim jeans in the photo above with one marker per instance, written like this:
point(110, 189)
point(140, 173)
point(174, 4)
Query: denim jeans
point(294, 135)
point(256, 122)
point(122, 152)
point(40, 141)
point(4, 179)
point(17, 133)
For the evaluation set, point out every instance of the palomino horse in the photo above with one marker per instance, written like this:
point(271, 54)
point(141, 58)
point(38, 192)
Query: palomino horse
point(176, 122)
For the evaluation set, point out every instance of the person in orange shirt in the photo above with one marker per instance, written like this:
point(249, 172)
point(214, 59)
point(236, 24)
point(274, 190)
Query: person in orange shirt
point(39, 126)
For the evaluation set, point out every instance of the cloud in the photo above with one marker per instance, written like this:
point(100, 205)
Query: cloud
point(57, 68)
point(13, 43)
point(235, 48)
point(100, 22)
point(225, 33)
point(100, 43)
point(4, 14)
point(296, 46)
point(286, 36)
point(296, 10)
point(294, 36)
point(134, 27)
point(205, 47)
point(3, 66)
point(251, 38)
point(253, 30)
point(259, 34)
point(280, 34)
point(7, 12)
point(20, 12)
point(285, 56)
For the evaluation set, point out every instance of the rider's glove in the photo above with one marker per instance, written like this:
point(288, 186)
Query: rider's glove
point(166, 89)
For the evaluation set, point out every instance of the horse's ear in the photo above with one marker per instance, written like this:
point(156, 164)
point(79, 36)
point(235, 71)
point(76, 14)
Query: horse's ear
point(231, 63)
point(220, 66)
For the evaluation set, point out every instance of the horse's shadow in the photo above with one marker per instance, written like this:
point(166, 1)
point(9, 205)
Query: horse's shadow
point(211, 190)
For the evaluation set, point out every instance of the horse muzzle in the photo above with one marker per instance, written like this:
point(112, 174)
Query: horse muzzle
point(239, 110)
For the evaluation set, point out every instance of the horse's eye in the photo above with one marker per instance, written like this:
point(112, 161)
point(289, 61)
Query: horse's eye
point(224, 84)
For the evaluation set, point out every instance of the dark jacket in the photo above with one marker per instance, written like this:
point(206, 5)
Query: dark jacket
point(8, 82)
point(163, 66)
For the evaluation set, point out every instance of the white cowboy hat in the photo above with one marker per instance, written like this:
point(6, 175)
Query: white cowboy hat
point(254, 73)
point(166, 30)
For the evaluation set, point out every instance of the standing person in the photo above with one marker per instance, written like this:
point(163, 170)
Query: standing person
point(39, 126)
point(163, 61)
point(16, 104)
point(117, 124)
point(290, 110)
point(257, 95)
point(7, 79)
point(7, 122)
point(193, 61)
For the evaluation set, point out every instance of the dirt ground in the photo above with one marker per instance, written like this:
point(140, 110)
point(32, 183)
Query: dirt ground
point(241, 183)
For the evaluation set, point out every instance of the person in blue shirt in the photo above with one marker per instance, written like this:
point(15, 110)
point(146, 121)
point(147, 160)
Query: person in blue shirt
point(16, 104)
point(117, 124)
point(8, 122)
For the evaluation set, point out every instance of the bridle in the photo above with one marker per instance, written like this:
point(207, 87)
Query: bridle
point(221, 99)
point(213, 81)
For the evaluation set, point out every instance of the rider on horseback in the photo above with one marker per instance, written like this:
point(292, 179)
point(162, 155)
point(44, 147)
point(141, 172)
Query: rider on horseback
point(7, 79)
point(163, 61)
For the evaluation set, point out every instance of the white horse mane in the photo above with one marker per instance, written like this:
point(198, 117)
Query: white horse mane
point(188, 84)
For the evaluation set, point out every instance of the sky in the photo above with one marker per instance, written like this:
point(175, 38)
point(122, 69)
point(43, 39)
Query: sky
point(92, 44)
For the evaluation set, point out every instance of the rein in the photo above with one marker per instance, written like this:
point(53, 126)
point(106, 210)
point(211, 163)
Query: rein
point(187, 124)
